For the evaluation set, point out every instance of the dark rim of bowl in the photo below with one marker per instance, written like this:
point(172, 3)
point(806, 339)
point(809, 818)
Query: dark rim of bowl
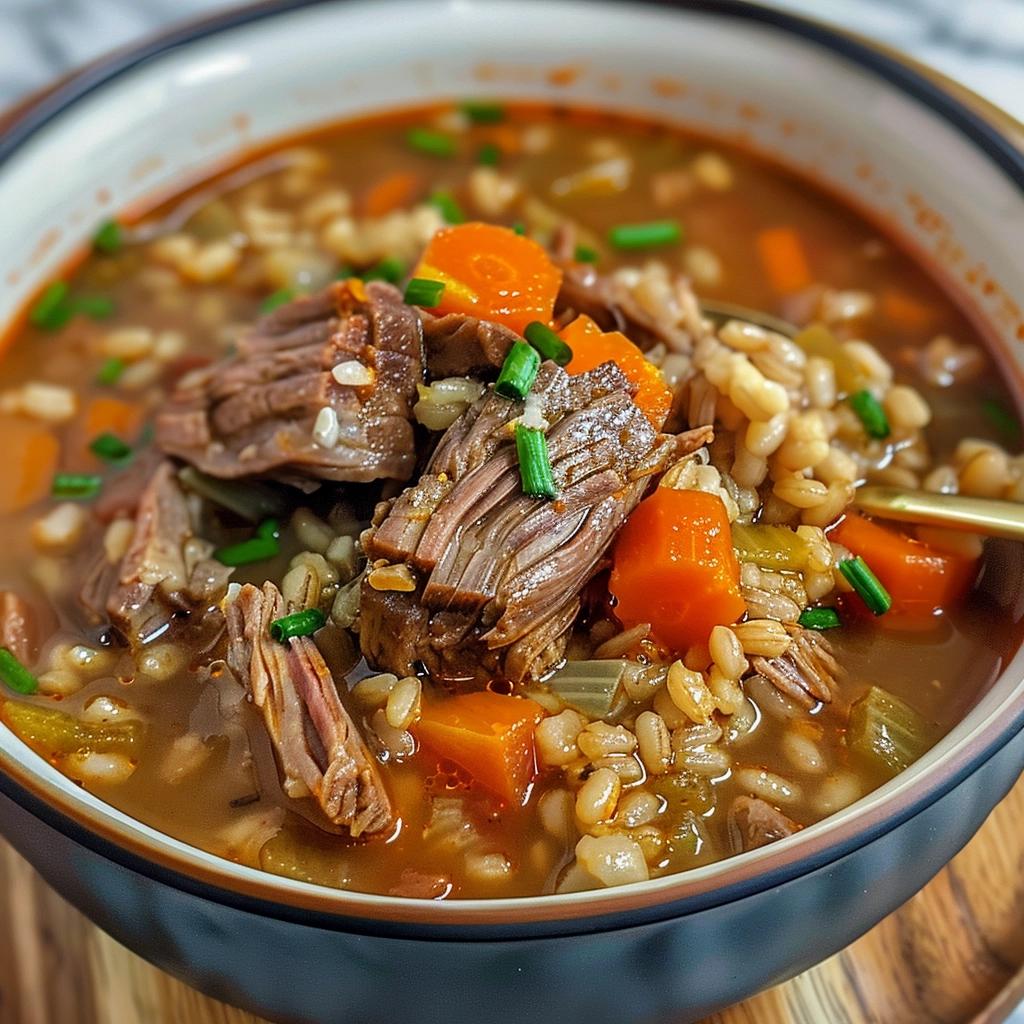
point(543, 915)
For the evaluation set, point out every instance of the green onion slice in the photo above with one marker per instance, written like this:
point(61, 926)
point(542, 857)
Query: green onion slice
point(98, 307)
point(1001, 418)
point(489, 155)
point(275, 299)
point(448, 206)
point(519, 227)
point(389, 269)
point(866, 584)
point(110, 448)
point(110, 372)
point(870, 412)
point(108, 239)
point(52, 310)
point(430, 142)
point(483, 111)
point(78, 486)
point(585, 254)
point(15, 675)
point(534, 463)
point(644, 236)
point(269, 529)
point(304, 623)
point(256, 549)
point(547, 343)
point(423, 292)
point(819, 618)
point(518, 372)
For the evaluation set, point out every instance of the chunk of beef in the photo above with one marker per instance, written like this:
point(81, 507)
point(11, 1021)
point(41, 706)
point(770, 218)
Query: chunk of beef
point(18, 632)
point(457, 345)
point(318, 746)
point(499, 573)
point(254, 412)
point(753, 823)
point(167, 579)
point(807, 672)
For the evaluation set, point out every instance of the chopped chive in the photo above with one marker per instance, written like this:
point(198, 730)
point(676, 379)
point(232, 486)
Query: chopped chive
point(108, 239)
point(15, 675)
point(389, 269)
point(518, 372)
point(79, 486)
point(547, 343)
point(870, 412)
point(98, 307)
point(422, 292)
point(448, 206)
point(256, 549)
point(1001, 418)
point(269, 529)
point(644, 236)
point(430, 142)
point(110, 372)
point(52, 309)
point(279, 298)
point(489, 154)
point(344, 273)
point(519, 227)
point(483, 111)
point(111, 448)
point(304, 623)
point(534, 463)
point(585, 254)
point(819, 618)
point(866, 584)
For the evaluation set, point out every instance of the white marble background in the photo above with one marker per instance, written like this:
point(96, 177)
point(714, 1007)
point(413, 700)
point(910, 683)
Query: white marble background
point(980, 42)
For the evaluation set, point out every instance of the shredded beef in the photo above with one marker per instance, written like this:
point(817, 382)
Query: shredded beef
point(807, 672)
point(753, 823)
point(18, 627)
point(500, 573)
point(318, 746)
point(253, 413)
point(457, 345)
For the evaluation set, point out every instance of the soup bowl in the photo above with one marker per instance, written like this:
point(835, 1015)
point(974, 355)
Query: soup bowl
point(934, 165)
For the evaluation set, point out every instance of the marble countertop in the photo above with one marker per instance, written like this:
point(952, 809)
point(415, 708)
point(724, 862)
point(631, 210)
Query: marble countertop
point(979, 42)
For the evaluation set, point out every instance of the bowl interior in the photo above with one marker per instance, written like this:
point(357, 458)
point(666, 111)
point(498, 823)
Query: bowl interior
point(825, 111)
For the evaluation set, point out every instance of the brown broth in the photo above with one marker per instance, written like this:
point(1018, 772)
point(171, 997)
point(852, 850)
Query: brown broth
point(940, 672)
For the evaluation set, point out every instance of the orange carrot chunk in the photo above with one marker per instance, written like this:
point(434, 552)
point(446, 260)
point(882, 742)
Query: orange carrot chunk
point(922, 581)
point(488, 735)
point(784, 260)
point(674, 567)
point(492, 273)
point(591, 347)
point(30, 459)
point(391, 193)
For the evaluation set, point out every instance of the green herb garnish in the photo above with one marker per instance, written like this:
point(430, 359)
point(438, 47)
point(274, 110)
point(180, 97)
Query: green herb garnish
point(645, 236)
point(866, 584)
point(110, 448)
point(518, 372)
point(534, 463)
point(51, 310)
point(448, 206)
point(76, 486)
point(430, 142)
point(15, 675)
point(110, 372)
point(489, 154)
point(819, 618)
point(585, 254)
point(109, 238)
point(304, 623)
point(389, 269)
point(870, 412)
point(422, 292)
point(483, 111)
point(547, 343)
point(275, 299)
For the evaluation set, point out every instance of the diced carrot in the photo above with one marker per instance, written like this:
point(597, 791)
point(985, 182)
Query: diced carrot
point(784, 260)
point(492, 273)
point(391, 193)
point(31, 452)
point(922, 581)
point(674, 567)
point(591, 347)
point(487, 734)
point(906, 312)
point(112, 416)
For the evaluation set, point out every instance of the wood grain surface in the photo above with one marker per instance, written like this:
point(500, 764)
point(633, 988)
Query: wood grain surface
point(943, 958)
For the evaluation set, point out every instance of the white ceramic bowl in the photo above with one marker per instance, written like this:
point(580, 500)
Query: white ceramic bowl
point(936, 166)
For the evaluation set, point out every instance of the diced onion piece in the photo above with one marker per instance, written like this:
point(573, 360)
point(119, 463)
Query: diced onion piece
point(353, 374)
point(325, 428)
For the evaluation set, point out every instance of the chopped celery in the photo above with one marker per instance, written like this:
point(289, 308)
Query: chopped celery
point(684, 792)
point(818, 340)
point(886, 731)
point(56, 734)
point(589, 686)
point(248, 499)
point(770, 547)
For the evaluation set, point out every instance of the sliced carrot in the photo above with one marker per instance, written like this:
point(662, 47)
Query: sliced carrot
point(674, 567)
point(31, 452)
point(591, 347)
point(922, 581)
point(492, 273)
point(906, 312)
point(391, 193)
point(784, 260)
point(488, 735)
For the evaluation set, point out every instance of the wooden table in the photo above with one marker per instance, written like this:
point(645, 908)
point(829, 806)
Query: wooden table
point(940, 959)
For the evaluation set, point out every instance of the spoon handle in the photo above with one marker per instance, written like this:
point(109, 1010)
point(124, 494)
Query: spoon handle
point(957, 512)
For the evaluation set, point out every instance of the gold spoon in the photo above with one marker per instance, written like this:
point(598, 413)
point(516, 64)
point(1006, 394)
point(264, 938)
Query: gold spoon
point(954, 511)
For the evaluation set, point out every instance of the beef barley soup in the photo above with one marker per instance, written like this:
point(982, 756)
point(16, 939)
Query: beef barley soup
point(384, 513)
